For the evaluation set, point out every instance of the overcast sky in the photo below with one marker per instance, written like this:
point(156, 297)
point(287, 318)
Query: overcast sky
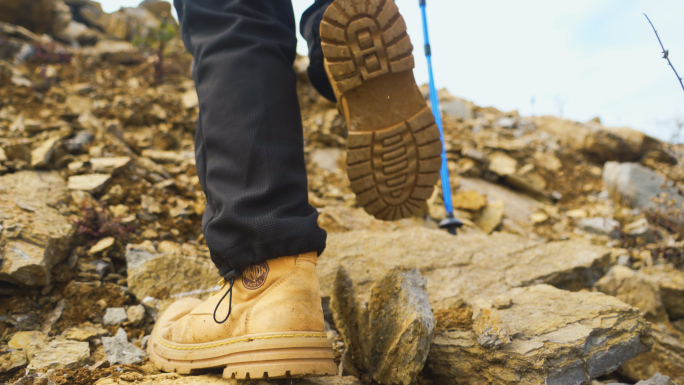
point(581, 58)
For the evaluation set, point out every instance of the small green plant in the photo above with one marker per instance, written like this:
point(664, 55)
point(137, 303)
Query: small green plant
point(154, 40)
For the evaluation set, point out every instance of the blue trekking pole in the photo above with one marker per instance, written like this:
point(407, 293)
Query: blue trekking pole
point(450, 223)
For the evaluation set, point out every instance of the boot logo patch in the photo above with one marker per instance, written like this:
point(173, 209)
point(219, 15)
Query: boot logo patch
point(254, 276)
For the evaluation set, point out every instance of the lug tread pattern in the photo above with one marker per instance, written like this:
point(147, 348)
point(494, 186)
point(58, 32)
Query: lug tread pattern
point(364, 39)
point(393, 171)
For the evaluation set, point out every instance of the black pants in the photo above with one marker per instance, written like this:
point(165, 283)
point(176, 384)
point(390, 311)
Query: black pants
point(249, 142)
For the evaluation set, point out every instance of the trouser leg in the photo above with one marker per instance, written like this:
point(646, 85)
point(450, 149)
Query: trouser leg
point(309, 28)
point(249, 144)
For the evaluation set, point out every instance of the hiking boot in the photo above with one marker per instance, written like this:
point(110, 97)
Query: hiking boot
point(265, 323)
point(394, 147)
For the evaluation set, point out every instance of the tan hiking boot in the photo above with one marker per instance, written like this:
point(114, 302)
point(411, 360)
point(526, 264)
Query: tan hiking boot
point(394, 147)
point(274, 329)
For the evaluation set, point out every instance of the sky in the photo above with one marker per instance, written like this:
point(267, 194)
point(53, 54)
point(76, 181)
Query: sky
point(579, 59)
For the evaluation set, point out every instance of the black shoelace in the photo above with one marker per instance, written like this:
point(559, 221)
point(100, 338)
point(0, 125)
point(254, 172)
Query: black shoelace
point(230, 278)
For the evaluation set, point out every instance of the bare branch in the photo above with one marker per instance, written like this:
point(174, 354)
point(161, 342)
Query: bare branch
point(666, 53)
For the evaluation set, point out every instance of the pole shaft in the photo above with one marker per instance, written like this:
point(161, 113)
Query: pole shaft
point(434, 102)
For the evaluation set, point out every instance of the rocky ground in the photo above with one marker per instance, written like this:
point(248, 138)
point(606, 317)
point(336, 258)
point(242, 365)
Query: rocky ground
point(569, 268)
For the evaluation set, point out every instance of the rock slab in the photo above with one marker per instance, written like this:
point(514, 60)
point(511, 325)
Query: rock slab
point(389, 335)
point(168, 269)
point(58, 354)
point(639, 187)
point(35, 235)
point(556, 338)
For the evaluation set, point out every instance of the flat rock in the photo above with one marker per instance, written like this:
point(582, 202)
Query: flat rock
point(109, 165)
point(21, 340)
point(60, 355)
point(120, 351)
point(121, 52)
point(77, 105)
point(642, 291)
point(102, 245)
point(639, 187)
point(657, 379)
point(459, 269)
point(671, 283)
point(35, 235)
point(556, 337)
point(168, 270)
point(666, 356)
point(216, 379)
point(469, 200)
point(491, 216)
point(517, 207)
point(114, 316)
point(90, 182)
point(389, 336)
point(12, 361)
point(502, 164)
point(600, 226)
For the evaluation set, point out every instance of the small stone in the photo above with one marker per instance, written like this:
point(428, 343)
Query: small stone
point(114, 316)
point(101, 267)
point(539, 218)
point(600, 226)
point(502, 301)
point(641, 229)
point(89, 182)
point(577, 213)
point(12, 361)
point(77, 105)
point(657, 379)
point(169, 156)
point(491, 216)
point(506, 122)
point(502, 164)
point(189, 99)
point(120, 351)
point(149, 234)
point(490, 330)
point(60, 355)
point(327, 159)
point(150, 205)
point(21, 340)
point(102, 245)
point(79, 334)
point(469, 200)
point(136, 314)
point(109, 165)
point(40, 156)
point(475, 155)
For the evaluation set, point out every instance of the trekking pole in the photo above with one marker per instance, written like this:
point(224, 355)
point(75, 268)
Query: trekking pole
point(450, 223)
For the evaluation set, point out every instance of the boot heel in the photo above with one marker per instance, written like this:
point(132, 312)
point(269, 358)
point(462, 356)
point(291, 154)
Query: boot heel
point(283, 364)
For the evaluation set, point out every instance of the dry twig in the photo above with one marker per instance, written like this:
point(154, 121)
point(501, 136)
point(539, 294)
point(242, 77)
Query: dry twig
point(666, 53)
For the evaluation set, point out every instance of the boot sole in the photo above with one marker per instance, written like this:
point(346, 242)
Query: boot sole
point(255, 356)
point(394, 147)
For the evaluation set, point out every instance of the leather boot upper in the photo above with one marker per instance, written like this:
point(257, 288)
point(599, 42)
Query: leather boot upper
point(279, 295)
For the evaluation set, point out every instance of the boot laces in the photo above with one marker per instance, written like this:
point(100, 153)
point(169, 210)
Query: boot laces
point(230, 279)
